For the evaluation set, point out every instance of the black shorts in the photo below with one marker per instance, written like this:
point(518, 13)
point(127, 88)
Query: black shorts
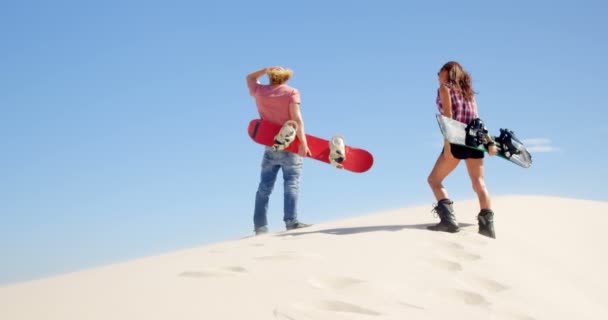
point(462, 152)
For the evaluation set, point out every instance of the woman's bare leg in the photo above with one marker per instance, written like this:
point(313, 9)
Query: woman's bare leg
point(443, 167)
point(475, 169)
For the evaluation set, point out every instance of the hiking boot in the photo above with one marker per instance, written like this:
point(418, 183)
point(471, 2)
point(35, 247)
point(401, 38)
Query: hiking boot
point(261, 230)
point(448, 222)
point(485, 219)
point(296, 225)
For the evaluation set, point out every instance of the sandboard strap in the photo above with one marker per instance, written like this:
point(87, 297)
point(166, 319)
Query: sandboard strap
point(255, 130)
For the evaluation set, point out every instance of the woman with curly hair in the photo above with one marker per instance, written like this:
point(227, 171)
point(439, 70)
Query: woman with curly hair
point(456, 100)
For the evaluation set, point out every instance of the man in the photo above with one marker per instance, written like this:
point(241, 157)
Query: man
point(277, 102)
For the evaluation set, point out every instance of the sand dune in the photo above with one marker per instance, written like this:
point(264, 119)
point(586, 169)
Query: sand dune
point(548, 262)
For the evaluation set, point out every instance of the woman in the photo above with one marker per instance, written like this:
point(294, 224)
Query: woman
point(455, 99)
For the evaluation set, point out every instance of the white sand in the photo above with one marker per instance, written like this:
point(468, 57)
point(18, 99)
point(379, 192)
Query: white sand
point(549, 262)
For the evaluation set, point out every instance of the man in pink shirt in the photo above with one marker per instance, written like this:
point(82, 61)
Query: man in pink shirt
point(277, 102)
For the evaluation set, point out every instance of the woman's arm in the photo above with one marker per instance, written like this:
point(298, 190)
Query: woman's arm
point(446, 101)
point(491, 145)
point(446, 106)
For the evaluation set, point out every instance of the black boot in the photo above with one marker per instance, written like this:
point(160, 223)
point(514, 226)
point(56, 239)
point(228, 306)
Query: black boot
point(485, 219)
point(448, 221)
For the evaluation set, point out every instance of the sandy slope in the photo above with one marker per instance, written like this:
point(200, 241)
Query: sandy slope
point(549, 262)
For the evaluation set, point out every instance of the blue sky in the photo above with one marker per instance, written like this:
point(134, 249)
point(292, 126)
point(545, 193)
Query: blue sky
point(123, 123)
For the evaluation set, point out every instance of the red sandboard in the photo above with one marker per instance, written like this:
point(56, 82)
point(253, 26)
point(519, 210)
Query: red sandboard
point(357, 160)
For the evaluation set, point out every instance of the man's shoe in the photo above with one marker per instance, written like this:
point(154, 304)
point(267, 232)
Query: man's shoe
point(297, 225)
point(261, 230)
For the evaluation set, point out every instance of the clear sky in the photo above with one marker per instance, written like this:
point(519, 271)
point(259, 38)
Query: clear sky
point(123, 123)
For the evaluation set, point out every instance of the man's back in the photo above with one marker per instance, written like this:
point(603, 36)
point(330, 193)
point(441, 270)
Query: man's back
point(273, 101)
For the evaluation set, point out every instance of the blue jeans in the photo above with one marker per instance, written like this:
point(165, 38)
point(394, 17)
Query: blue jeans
point(291, 164)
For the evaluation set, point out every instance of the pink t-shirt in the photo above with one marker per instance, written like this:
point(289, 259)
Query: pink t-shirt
point(273, 101)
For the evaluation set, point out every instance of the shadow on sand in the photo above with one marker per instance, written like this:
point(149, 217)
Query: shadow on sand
point(356, 230)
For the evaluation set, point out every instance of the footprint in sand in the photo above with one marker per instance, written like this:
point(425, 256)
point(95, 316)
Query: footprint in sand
point(320, 309)
point(450, 245)
point(282, 315)
point(281, 256)
point(333, 283)
point(468, 297)
point(235, 269)
point(412, 306)
point(446, 264)
point(485, 283)
point(288, 255)
point(458, 251)
point(473, 237)
point(467, 256)
point(295, 311)
point(345, 307)
point(344, 283)
point(201, 274)
point(517, 316)
point(214, 273)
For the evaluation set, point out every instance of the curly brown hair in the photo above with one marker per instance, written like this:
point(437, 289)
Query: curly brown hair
point(459, 79)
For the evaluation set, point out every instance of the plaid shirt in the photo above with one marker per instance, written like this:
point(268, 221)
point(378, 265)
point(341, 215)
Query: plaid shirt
point(462, 110)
